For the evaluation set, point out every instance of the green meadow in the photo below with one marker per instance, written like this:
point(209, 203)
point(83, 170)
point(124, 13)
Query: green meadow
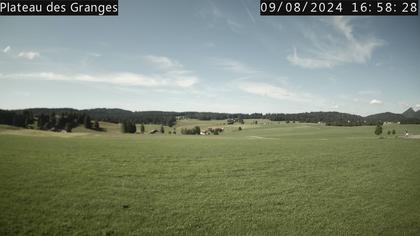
point(270, 178)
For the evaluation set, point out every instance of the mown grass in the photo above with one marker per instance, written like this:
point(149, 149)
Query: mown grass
point(273, 179)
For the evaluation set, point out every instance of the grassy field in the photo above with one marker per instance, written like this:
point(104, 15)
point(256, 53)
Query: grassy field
point(268, 179)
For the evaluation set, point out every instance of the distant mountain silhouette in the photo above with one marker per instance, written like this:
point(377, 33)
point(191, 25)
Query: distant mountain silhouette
point(410, 113)
point(387, 117)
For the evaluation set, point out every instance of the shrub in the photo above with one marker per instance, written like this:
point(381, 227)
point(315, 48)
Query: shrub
point(378, 129)
point(193, 131)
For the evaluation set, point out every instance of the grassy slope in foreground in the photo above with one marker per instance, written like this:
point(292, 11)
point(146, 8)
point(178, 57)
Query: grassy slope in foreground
point(270, 179)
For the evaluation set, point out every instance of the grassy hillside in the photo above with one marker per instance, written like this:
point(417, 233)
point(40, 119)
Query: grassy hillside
point(268, 179)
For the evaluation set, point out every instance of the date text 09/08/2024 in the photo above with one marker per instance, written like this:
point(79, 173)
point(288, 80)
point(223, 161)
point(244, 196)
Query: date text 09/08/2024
point(339, 7)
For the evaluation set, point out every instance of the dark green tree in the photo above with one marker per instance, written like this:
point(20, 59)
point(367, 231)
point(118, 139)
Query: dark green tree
point(378, 129)
point(197, 130)
point(87, 122)
point(96, 125)
point(68, 127)
point(128, 127)
point(142, 129)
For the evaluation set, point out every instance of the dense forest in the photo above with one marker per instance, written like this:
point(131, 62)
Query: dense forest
point(68, 118)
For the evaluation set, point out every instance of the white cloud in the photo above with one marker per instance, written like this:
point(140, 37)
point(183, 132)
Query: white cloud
point(276, 92)
point(311, 63)
point(417, 106)
point(7, 49)
point(376, 102)
point(215, 17)
point(173, 71)
point(235, 66)
point(251, 17)
point(163, 63)
point(123, 79)
point(233, 25)
point(331, 50)
point(94, 54)
point(31, 55)
point(369, 92)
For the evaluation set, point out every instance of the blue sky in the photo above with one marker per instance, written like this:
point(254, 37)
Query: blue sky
point(216, 56)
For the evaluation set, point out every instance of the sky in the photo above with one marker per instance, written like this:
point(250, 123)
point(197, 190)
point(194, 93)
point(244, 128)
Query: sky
point(218, 56)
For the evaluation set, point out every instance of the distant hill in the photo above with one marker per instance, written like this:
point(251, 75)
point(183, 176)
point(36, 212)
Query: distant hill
point(386, 117)
point(410, 113)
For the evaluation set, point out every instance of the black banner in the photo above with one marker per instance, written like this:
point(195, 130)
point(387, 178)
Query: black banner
point(59, 8)
point(339, 7)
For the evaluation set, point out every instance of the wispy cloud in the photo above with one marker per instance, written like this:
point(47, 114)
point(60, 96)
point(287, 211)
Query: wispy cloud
point(94, 54)
point(173, 70)
point(369, 92)
point(162, 62)
point(376, 102)
point(30, 55)
point(7, 49)
point(215, 17)
point(311, 63)
point(342, 47)
point(235, 66)
point(275, 92)
point(122, 79)
point(251, 17)
point(90, 58)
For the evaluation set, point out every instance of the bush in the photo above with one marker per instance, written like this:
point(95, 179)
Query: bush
point(378, 129)
point(194, 131)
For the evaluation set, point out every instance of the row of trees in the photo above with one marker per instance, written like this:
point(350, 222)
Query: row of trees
point(379, 130)
point(17, 117)
point(50, 121)
point(130, 127)
point(66, 121)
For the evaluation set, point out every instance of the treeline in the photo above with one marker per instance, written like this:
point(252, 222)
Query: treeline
point(329, 118)
point(65, 121)
point(19, 119)
point(48, 121)
point(170, 118)
point(118, 115)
